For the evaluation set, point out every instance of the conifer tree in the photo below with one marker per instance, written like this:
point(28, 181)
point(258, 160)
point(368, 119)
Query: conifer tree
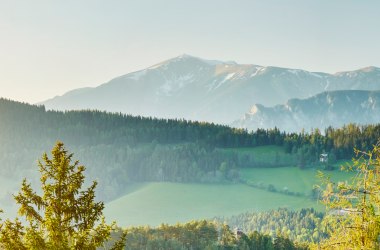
point(64, 216)
point(354, 207)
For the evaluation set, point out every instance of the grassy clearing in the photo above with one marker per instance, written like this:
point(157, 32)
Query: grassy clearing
point(292, 178)
point(156, 203)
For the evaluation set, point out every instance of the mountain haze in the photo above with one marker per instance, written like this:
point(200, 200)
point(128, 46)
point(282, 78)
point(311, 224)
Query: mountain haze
point(332, 108)
point(208, 90)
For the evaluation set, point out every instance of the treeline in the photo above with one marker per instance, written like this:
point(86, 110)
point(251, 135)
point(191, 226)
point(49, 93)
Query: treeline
point(338, 142)
point(304, 225)
point(96, 127)
point(199, 235)
point(89, 128)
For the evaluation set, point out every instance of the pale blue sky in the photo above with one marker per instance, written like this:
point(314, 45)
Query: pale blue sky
point(49, 47)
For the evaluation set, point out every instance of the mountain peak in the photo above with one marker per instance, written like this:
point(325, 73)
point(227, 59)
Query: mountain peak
point(207, 61)
point(368, 69)
point(194, 88)
point(330, 108)
point(186, 58)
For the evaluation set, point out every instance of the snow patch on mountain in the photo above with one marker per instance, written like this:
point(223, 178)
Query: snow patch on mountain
point(217, 83)
point(173, 85)
point(228, 77)
point(315, 74)
point(257, 71)
point(294, 71)
point(136, 75)
point(327, 85)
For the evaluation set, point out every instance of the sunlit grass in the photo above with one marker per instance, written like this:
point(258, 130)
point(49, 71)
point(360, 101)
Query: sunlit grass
point(156, 203)
point(292, 178)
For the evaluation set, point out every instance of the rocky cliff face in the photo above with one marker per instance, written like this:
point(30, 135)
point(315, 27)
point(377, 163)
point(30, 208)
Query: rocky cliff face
point(332, 108)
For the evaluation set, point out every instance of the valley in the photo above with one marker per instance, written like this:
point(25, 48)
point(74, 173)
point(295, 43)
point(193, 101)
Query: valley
point(189, 125)
point(153, 203)
point(153, 171)
point(156, 203)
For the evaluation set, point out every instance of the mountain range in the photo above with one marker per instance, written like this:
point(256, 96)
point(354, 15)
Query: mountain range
point(208, 90)
point(333, 108)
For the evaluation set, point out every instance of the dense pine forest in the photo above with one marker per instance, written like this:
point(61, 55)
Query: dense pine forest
point(119, 148)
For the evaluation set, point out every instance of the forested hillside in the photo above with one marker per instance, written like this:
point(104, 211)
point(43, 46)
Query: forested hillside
point(204, 235)
point(304, 225)
point(120, 148)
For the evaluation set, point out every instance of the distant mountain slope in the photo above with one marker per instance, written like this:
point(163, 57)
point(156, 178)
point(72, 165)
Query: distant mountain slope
point(194, 88)
point(334, 108)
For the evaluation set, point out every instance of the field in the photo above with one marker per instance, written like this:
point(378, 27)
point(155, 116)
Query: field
point(291, 178)
point(156, 203)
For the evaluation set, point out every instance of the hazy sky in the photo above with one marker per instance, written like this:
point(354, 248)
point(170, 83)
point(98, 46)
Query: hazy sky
point(49, 47)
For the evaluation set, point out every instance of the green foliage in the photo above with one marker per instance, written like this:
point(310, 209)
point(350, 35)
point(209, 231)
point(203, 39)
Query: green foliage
point(191, 235)
point(302, 226)
point(261, 157)
point(354, 207)
point(65, 216)
point(227, 237)
point(199, 235)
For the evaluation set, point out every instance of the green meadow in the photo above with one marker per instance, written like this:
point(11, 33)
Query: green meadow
point(291, 178)
point(156, 203)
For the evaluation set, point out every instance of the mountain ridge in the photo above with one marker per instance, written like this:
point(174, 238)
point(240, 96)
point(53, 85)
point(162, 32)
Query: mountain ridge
point(208, 90)
point(329, 108)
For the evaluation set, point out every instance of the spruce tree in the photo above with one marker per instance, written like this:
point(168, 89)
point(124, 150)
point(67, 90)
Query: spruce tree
point(65, 216)
point(353, 221)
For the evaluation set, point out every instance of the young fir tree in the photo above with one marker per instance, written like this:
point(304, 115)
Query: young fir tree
point(354, 218)
point(65, 216)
